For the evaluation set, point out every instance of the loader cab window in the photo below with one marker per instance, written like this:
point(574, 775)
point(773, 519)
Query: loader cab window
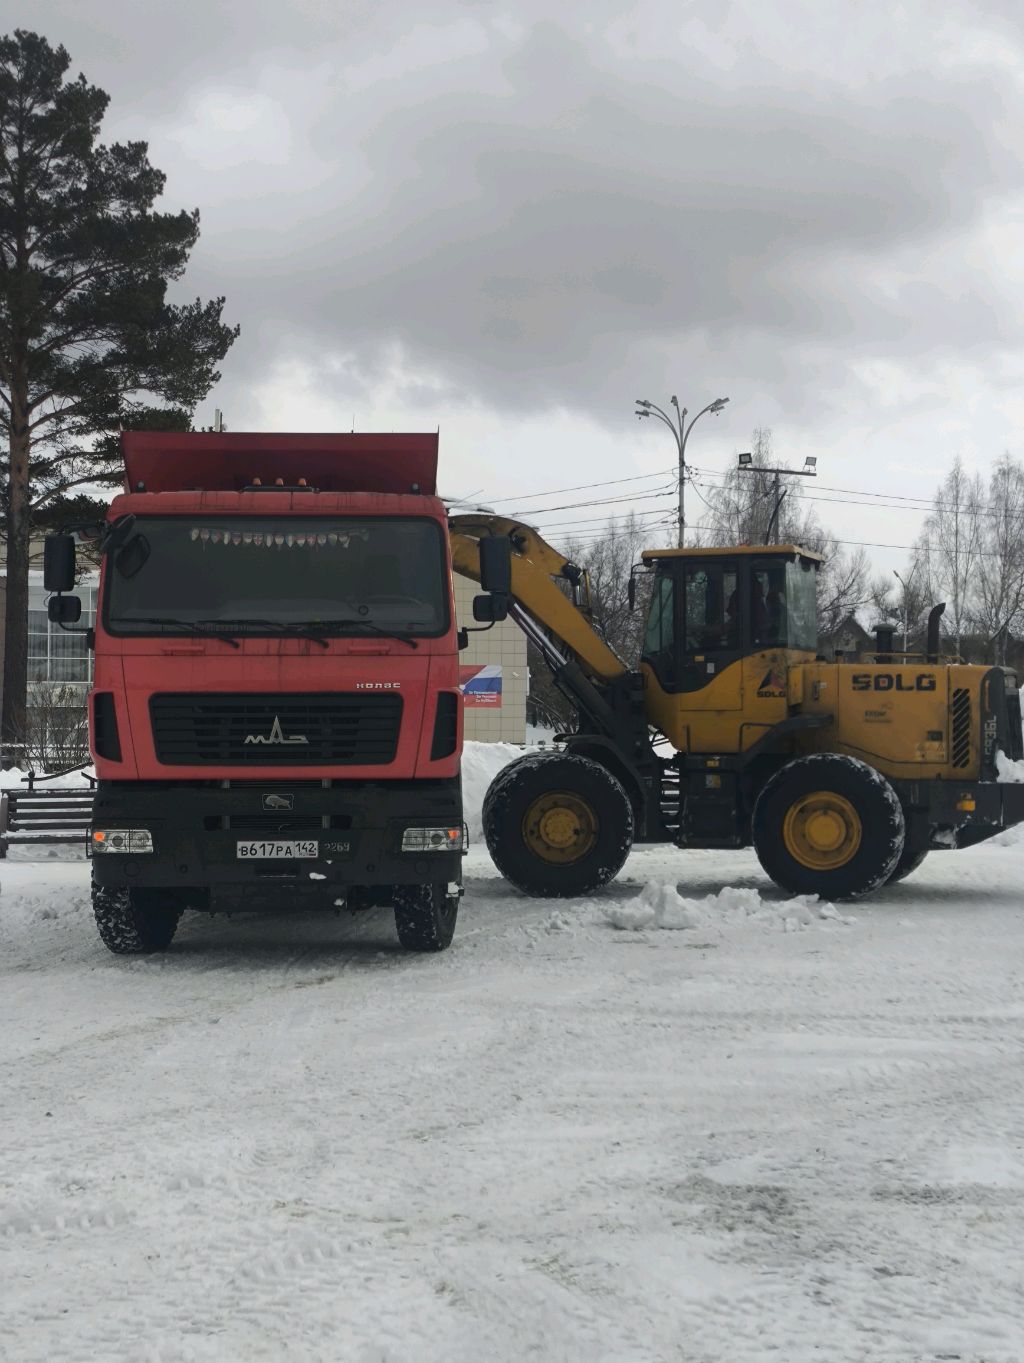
point(694, 625)
point(711, 617)
point(802, 596)
point(768, 606)
point(783, 605)
point(659, 637)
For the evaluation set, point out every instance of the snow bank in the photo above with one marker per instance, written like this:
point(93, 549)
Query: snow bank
point(17, 779)
point(1009, 771)
point(661, 906)
point(481, 763)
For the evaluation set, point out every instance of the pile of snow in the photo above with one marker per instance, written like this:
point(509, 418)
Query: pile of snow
point(661, 906)
point(1009, 771)
point(481, 763)
point(17, 779)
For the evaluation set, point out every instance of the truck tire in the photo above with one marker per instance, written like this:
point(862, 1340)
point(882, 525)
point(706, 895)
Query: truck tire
point(134, 921)
point(557, 824)
point(425, 916)
point(829, 825)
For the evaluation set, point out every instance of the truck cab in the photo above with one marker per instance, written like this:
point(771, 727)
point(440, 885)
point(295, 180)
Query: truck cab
point(276, 698)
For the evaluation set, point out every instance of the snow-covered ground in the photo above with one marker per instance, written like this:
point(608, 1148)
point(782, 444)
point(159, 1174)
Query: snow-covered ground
point(776, 1132)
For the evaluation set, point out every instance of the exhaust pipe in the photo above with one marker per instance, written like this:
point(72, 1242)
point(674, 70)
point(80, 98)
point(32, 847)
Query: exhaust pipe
point(883, 643)
point(934, 616)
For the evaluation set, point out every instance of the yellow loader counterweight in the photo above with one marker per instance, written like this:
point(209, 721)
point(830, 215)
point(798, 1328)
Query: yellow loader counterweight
point(735, 731)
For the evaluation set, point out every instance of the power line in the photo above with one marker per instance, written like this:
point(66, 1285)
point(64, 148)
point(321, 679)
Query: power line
point(581, 487)
point(597, 521)
point(929, 504)
point(595, 501)
point(863, 544)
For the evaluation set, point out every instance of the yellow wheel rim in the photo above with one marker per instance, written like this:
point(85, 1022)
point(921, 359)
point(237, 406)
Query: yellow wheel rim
point(560, 827)
point(822, 831)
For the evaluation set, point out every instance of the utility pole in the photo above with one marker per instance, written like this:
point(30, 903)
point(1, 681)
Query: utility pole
point(681, 434)
point(809, 470)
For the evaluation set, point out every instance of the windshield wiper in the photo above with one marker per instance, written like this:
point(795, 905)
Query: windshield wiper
point(191, 626)
point(367, 627)
point(307, 629)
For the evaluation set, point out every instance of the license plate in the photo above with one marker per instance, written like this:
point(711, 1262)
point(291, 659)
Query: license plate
point(270, 851)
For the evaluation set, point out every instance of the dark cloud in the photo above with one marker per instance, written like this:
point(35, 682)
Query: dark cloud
point(533, 214)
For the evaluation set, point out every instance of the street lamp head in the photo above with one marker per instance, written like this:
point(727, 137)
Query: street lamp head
point(642, 402)
point(642, 412)
point(675, 400)
point(718, 404)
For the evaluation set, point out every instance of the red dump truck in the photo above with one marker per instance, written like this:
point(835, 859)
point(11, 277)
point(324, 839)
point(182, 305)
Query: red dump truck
point(276, 697)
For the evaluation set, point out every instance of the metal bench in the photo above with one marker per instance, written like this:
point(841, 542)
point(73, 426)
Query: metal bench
point(44, 814)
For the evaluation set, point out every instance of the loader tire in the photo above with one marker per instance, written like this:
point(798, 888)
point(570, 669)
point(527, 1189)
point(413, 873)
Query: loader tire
point(914, 852)
point(557, 824)
point(828, 825)
point(425, 916)
point(132, 922)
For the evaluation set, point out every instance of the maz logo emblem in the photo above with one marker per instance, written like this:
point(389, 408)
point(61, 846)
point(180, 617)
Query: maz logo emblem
point(279, 802)
point(276, 735)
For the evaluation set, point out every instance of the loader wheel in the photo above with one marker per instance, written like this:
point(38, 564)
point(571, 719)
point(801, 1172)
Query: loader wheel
point(134, 921)
point(425, 916)
point(915, 849)
point(557, 824)
point(828, 825)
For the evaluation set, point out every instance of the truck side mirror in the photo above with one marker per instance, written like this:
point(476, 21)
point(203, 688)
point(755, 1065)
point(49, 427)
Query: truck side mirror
point(59, 563)
point(64, 610)
point(491, 608)
point(496, 564)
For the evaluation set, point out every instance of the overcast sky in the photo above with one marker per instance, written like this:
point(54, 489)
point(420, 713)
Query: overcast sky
point(475, 215)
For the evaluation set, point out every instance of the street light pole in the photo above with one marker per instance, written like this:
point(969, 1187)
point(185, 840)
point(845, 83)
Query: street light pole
point(681, 434)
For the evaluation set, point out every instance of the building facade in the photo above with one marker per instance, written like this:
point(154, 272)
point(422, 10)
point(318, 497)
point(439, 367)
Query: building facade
point(494, 674)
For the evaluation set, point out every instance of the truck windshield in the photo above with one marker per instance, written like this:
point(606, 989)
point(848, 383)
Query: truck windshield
point(262, 574)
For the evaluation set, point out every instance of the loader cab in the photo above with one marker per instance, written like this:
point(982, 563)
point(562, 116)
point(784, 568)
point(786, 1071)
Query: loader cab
point(713, 608)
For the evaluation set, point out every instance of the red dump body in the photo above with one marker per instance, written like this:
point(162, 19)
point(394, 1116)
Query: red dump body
point(169, 461)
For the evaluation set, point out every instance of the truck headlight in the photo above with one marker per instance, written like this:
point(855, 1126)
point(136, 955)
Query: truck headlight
point(434, 839)
point(122, 840)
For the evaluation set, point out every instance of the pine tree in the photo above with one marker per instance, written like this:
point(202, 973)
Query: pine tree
point(89, 343)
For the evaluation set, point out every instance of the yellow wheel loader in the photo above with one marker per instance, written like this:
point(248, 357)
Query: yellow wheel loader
point(736, 731)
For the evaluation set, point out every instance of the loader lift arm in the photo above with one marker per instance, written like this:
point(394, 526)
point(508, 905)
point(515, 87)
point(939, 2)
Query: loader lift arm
point(606, 693)
point(535, 596)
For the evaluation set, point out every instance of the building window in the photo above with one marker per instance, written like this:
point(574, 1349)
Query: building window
point(55, 655)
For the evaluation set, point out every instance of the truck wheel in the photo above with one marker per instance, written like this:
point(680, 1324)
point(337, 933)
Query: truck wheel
point(133, 921)
point(557, 824)
point(828, 825)
point(425, 916)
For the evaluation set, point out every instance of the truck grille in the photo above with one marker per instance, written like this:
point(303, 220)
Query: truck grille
point(225, 728)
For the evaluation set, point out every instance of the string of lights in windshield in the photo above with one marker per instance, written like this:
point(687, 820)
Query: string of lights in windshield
point(278, 539)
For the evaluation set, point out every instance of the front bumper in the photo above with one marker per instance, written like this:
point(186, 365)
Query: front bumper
point(196, 829)
point(973, 810)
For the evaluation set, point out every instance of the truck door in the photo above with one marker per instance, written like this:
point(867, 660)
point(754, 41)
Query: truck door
point(693, 639)
point(710, 637)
